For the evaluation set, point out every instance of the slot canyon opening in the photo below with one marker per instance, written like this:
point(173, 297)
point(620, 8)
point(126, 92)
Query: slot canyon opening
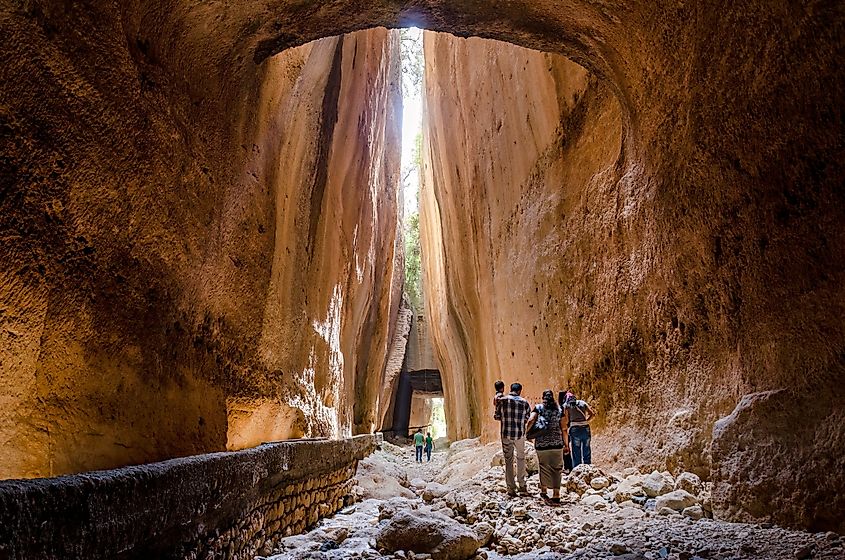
point(200, 218)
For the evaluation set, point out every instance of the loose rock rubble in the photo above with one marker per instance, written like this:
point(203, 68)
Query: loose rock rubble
point(458, 510)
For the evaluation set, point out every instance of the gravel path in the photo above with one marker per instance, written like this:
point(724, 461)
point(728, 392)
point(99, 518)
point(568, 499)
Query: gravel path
point(462, 488)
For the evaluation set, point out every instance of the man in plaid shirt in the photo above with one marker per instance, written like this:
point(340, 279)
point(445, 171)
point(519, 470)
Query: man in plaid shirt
point(514, 411)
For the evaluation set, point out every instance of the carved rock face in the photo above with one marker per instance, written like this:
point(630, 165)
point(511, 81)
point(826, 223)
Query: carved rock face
point(195, 232)
point(588, 231)
point(197, 266)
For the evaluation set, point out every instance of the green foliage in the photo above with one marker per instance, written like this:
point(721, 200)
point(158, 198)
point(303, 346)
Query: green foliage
point(438, 419)
point(412, 78)
point(416, 154)
point(413, 272)
point(411, 56)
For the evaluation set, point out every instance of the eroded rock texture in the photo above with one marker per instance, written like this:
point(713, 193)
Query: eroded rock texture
point(670, 223)
point(662, 242)
point(198, 252)
point(513, 139)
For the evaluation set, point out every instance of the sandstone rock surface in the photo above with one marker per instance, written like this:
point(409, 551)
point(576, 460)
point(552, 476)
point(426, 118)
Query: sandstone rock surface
point(433, 533)
point(642, 236)
point(658, 229)
point(677, 500)
point(657, 484)
point(200, 259)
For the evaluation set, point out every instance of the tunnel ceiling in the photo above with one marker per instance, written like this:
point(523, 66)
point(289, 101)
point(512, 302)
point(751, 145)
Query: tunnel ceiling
point(426, 381)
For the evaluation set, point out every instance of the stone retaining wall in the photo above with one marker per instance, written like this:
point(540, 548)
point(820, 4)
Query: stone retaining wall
point(230, 505)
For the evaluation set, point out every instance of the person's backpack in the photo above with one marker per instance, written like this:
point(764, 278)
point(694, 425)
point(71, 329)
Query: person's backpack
point(577, 411)
point(540, 424)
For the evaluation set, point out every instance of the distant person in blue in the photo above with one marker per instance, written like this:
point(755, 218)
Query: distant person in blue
point(429, 445)
point(419, 441)
point(578, 414)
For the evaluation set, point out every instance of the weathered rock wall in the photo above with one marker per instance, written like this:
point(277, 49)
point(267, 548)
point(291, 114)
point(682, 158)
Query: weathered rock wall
point(198, 251)
point(393, 368)
point(662, 247)
point(221, 505)
point(512, 136)
point(707, 264)
point(420, 411)
point(420, 355)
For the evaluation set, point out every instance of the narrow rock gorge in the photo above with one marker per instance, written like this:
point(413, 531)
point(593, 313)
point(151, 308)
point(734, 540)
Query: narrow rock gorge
point(164, 232)
point(648, 256)
point(201, 226)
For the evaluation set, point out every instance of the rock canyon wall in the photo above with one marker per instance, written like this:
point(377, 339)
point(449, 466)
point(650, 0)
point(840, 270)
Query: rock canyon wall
point(199, 253)
point(198, 236)
point(669, 257)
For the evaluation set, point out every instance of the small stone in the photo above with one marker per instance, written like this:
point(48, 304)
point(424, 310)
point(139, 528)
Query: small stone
point(328, 545)
point(690, 482)
point(693, 512)
point(657, 484)
point(748, 548)
point(619, 548)
point(599, 483)
point(803, 552)
point(677, 500)
point(594, 500)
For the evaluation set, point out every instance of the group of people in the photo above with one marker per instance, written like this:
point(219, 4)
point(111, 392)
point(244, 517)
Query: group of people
point(423, 442)
point(560, 428)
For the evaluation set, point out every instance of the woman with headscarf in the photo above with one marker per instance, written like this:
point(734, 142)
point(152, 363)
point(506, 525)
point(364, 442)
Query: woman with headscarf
point(550, 445)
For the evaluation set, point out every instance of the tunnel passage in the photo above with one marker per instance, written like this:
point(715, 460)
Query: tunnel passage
point(419, 382)
point(693, 289)
point(413, 406)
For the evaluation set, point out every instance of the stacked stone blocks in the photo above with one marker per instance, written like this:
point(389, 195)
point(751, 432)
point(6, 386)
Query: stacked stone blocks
point(229, 505)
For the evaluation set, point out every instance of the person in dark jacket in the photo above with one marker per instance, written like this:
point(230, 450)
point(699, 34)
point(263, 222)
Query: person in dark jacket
point(515, 411)
point(550, 445)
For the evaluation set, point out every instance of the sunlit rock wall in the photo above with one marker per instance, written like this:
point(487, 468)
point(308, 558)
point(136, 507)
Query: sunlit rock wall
point(198, 251)
point(513, 137)
point(699, 272)
point(662, 256)
point(420, 412)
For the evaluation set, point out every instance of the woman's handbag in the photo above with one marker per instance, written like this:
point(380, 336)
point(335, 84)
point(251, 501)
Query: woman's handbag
point(540, 424)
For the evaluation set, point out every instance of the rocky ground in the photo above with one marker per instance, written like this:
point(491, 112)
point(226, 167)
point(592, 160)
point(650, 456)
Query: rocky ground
point(456, 508)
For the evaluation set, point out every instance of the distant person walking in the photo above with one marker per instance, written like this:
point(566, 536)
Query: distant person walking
point(429, 445)
point(514, 410)
point(578, 415)
point(419, 441)
point(550, 444)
